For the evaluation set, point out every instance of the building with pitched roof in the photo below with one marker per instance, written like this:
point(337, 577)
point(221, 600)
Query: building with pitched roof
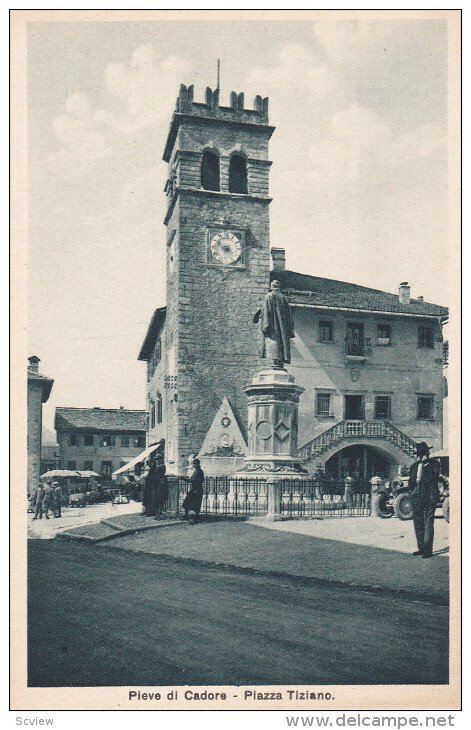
point(370, 361)
point(99, 439)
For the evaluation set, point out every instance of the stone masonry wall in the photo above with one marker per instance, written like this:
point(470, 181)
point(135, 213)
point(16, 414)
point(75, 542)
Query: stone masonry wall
point(210, 308)
point(34, 434)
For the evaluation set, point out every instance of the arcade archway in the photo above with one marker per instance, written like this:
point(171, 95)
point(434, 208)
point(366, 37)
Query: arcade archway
point(361, 462)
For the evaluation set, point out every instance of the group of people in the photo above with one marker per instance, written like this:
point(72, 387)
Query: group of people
point(47, 498)
point(156, 489)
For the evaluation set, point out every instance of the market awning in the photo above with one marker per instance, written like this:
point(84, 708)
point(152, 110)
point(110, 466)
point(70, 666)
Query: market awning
point(137, 460)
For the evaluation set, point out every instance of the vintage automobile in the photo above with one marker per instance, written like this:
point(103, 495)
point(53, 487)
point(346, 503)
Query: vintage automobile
point(393, 498)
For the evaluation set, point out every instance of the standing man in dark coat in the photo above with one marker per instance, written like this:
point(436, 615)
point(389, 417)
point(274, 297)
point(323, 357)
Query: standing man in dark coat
point(150, 488)
point(276, 323)
point(161, 494)
point(423, 481)
point(194, 497)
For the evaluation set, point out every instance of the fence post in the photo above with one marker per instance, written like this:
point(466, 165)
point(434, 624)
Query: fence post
point(173, 495)
point(273, 499)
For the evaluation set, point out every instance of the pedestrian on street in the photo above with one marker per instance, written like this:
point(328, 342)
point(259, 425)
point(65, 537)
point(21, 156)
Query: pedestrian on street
point(38, 502)
point(348, 491)
point(150, 488)
point(423, 481)
point(57, 499)
point(161, 492)
point(192, 501)
point(48, 499)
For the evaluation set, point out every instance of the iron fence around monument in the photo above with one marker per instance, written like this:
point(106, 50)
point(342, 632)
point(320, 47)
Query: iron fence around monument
point(307, 498)
point(228, 496)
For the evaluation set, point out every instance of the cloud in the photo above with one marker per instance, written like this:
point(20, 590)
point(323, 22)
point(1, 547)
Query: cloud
point(78, 123)
point(136, 96)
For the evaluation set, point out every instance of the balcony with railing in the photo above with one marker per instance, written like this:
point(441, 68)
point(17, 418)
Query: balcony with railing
point(357, 349)
point(352, 429)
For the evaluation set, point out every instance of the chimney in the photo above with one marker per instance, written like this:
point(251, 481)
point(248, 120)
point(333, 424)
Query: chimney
point(404, 292)
point(278, 259)
point(33, 366)
point(420, 299)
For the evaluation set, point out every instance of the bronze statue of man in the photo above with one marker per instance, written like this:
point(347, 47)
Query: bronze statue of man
point(277, 326)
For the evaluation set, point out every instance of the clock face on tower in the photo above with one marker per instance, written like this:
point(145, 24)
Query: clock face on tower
point(225, 247)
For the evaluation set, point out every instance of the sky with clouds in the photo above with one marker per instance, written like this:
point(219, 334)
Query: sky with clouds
point(359, 175)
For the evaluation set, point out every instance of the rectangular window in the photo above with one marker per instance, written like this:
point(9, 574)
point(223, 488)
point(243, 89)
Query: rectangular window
point(383, 334)
point(125, 441)
point(106, 468)
point(425, 337)
point(152, 413)
point(158, 351)
point(425, 408)
point(72, 465)
point(108, 440)
point(323, 402)
point(326, 331)
point(354, 408)
point(383, 406)
point(88, 439)
point(73, 439)
point(88, 465)
point(138, 441)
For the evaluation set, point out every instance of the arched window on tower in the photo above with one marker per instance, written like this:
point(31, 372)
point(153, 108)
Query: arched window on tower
point(210, 171)
point(238, 175)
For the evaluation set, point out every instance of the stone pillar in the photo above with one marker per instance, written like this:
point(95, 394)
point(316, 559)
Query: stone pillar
point(272, 426)
point(274, 499)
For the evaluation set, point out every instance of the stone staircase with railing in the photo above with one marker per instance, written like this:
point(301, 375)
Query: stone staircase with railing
point(356, 429)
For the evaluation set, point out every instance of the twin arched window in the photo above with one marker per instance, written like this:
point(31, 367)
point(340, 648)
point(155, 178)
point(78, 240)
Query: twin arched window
point(210, 171)
point(155, 411)
point(238, 175)
point(210, 176)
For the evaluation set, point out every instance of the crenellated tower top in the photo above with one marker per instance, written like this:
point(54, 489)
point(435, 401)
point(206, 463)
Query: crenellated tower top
point(211, 110)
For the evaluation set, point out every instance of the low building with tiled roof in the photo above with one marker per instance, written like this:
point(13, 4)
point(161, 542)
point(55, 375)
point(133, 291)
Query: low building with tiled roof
point(99, 439)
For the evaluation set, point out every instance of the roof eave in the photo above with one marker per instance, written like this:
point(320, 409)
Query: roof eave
point(153, 331)
point(362, 310)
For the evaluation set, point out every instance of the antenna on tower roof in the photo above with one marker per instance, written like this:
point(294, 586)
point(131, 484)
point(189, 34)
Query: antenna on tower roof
point(219, 74)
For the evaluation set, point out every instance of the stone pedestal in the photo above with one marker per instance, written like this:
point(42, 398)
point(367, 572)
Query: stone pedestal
point(272, 426)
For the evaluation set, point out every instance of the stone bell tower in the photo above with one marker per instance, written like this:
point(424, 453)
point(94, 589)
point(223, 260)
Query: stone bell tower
point(217, 260)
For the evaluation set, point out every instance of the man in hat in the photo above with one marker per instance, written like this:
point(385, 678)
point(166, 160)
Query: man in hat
point(150, 488)
point(423, 481)
point(161, 486)
point(194, 498)
point(277, 326)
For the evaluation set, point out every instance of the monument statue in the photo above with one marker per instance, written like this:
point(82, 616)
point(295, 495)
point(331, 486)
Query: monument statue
point(277, 326)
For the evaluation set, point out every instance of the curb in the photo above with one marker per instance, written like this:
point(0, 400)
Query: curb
point(433, 598)
point(119, 531)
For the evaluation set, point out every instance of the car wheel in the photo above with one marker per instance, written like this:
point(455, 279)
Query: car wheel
point(446, 509)
point(403, 506)
point(381, 508)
